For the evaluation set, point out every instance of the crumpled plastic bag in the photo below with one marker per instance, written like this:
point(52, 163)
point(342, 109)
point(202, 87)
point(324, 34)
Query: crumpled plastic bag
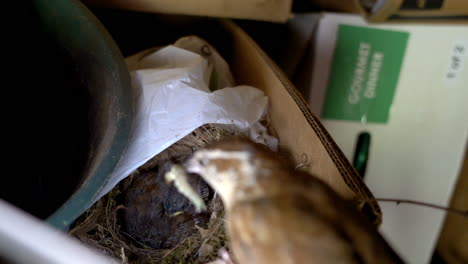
point(174, 98)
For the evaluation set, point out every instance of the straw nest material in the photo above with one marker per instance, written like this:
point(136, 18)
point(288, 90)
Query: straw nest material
point(102, 226)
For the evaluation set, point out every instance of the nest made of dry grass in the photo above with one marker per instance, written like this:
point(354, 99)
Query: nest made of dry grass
point(99, 226)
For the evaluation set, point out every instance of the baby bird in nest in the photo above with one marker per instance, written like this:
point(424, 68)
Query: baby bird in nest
point(157, 215)
point(276, 214)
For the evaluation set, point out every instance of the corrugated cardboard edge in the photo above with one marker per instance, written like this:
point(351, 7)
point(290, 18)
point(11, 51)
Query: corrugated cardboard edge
point(349, 175)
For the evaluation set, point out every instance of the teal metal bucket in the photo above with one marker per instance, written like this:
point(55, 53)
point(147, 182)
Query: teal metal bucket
point(102, 71)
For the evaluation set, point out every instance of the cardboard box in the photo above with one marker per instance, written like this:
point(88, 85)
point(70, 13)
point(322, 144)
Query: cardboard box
point(402, 10)
point(405, 85)
point(276, 11)
point(299, 131)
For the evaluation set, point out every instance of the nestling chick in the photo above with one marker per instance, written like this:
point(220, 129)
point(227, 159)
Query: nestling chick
point(157, 215)
point(276, 214)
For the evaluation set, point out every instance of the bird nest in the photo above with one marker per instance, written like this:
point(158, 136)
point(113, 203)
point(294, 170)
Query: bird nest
point(108, 226)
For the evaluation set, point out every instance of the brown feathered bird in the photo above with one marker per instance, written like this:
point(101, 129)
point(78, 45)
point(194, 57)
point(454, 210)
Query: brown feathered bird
point(276, 214)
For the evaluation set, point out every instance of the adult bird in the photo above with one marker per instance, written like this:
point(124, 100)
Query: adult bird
point(276, 214)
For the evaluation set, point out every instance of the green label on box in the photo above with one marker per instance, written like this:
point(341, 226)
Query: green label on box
point(365, 70)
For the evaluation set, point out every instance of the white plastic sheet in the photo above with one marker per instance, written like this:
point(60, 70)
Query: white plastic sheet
point(175, 99)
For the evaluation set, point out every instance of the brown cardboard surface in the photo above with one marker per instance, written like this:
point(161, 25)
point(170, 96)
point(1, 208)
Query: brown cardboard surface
point(298, 129)
point(267, 10)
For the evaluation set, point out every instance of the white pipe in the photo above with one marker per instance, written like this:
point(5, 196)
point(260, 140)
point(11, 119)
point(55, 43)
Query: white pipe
point(26, 239)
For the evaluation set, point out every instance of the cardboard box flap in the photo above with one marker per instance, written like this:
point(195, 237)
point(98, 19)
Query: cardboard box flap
point(298, 130)
point(302, 133)
point(266, 10)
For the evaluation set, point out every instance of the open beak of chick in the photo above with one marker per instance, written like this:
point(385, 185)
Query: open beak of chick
point(178, 176)
point(221, 169)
